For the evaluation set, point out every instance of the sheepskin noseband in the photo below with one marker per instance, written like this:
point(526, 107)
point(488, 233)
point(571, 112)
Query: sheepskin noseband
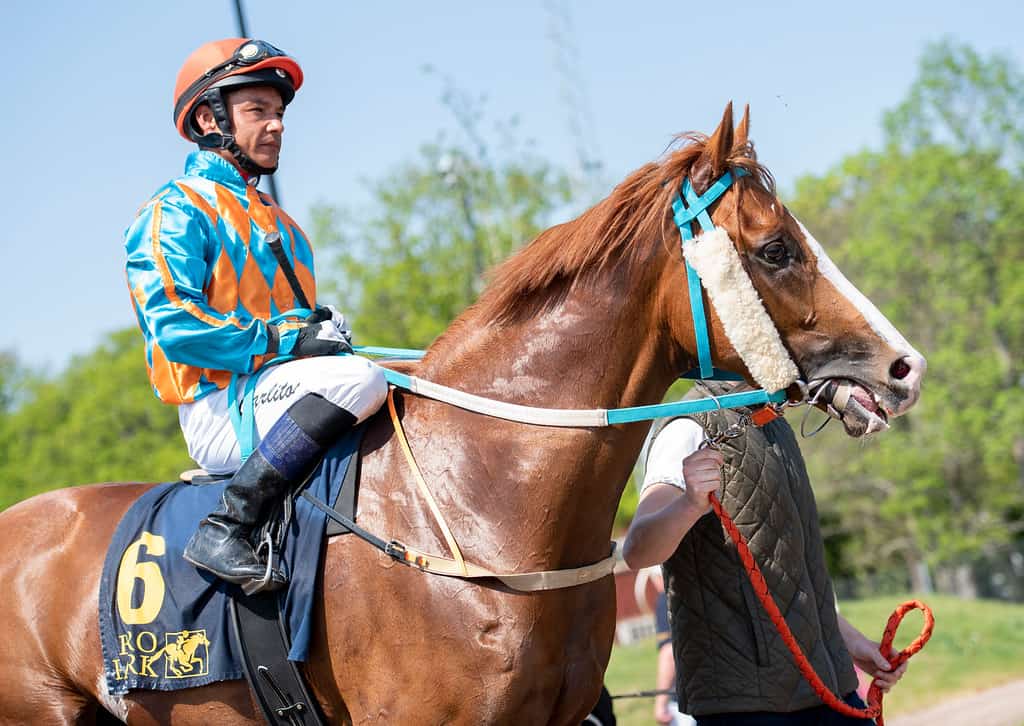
point(747, 324)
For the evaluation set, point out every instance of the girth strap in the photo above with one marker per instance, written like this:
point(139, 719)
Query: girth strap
point(276, 682)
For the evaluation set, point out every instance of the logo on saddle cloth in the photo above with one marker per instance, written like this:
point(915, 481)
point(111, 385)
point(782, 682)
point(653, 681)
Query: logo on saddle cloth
point(184, 655)
point(140, 598)
point(166, 625)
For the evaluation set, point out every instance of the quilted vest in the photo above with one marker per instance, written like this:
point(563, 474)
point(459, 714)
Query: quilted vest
point(729, 656)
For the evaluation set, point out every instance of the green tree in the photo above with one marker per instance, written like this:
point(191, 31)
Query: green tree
point(98, 421)
point(963, 100)
point(407, 266)
point(930, 230)
point(15, 380)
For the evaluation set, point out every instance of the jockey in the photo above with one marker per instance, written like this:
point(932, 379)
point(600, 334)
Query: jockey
point(222, 282)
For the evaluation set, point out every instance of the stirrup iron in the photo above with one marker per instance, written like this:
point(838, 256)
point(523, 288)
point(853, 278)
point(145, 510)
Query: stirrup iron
point(272, 579)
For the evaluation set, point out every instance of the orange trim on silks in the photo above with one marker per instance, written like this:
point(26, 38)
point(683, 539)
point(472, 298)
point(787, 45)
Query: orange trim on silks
point(199, 201)
point(253, 290)
point(138, 297)
point(265, 213)
point(221, 379)
point(168, 376)
point(283, 216)
point(282, 292)
point(167, 279)
point(306, 280)
point(262, 214)
point(231, 211)
point(222, 291)
point(154, 200)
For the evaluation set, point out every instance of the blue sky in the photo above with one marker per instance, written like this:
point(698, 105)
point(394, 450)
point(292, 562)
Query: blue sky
point(88, 134)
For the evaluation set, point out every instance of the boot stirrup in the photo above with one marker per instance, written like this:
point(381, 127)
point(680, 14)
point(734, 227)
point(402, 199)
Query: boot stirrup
point(268, 581)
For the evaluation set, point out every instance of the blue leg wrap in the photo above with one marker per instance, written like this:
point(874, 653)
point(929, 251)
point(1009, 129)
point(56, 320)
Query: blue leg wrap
point(289, 449)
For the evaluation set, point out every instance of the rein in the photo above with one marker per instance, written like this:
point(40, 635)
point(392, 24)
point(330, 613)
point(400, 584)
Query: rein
point(574, 417)
point(685, 213)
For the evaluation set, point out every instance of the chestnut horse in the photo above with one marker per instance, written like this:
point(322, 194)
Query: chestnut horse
point(593, 313)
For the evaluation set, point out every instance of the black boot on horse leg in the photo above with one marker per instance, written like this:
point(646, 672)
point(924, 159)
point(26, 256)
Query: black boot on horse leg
point(285, 456)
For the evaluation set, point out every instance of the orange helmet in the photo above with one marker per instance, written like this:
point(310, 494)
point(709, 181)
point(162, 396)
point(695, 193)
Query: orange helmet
point(229, 63)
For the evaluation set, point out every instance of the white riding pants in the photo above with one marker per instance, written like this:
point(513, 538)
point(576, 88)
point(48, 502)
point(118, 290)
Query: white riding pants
point(353, 383)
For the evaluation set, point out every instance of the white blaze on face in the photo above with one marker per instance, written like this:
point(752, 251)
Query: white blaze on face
point(878, 322)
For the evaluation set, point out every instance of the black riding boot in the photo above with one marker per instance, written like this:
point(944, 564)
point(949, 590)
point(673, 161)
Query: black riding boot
point(285, 456)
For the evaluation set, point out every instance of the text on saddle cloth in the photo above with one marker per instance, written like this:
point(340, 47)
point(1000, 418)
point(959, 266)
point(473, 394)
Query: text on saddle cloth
point(164, 625)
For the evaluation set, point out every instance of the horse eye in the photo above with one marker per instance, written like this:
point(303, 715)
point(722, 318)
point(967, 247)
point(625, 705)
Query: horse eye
point(775, 253)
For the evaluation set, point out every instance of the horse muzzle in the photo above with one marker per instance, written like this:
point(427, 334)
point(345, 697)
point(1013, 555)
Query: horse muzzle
point(865, 409)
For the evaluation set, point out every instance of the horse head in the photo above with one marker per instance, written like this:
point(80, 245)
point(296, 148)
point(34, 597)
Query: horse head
point(858, 367)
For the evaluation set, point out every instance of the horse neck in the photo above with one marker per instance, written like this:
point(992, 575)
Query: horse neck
point(598, 347)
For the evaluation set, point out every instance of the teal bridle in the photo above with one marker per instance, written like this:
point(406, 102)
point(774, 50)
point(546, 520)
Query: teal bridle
point(687, 207)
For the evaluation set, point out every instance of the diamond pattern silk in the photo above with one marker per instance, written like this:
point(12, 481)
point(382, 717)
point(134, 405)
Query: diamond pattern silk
point(203, 280)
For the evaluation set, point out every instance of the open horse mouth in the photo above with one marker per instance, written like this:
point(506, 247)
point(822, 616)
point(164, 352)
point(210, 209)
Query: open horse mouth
point(861, 411)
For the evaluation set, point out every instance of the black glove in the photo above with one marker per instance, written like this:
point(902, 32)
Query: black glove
point(321, 314)
point(319, 339)
point(329, 313)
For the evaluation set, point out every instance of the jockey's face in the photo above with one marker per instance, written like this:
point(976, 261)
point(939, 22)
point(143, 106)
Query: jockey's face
point(257, 114)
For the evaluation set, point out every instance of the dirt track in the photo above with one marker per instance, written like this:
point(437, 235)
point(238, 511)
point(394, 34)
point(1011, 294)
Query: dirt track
point(999, 706)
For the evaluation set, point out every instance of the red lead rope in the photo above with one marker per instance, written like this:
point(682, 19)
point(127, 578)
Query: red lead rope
point(874, 709)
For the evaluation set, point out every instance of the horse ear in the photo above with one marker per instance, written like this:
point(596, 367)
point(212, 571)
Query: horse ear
point(713, 162)
point(743, 130)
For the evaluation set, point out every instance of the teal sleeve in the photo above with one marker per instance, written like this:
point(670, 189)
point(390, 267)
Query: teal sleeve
point(169, 249)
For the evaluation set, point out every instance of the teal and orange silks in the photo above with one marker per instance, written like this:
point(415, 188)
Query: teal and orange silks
point(204, 282)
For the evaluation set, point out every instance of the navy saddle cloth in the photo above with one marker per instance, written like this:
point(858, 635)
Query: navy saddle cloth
point(164, 624)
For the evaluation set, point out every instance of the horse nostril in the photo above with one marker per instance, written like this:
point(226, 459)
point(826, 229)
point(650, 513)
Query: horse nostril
point(900, 369)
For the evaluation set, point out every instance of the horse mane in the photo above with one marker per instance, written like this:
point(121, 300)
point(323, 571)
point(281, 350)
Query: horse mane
point(620, 229)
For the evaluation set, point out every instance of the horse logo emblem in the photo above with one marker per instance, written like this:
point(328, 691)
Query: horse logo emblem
point(186, 654)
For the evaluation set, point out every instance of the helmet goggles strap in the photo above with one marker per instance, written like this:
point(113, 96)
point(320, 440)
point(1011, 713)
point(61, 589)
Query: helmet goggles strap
point(249, 53)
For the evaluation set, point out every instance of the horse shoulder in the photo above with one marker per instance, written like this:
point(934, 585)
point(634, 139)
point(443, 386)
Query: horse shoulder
point(55, 544)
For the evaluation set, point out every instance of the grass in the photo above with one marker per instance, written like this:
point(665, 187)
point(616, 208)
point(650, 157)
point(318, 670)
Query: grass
point(976, 644)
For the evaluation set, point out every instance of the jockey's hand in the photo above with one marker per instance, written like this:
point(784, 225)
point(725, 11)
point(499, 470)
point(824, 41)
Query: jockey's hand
point(702, 472)
point(325, 313)
point(869, 659)
point(323, 338)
